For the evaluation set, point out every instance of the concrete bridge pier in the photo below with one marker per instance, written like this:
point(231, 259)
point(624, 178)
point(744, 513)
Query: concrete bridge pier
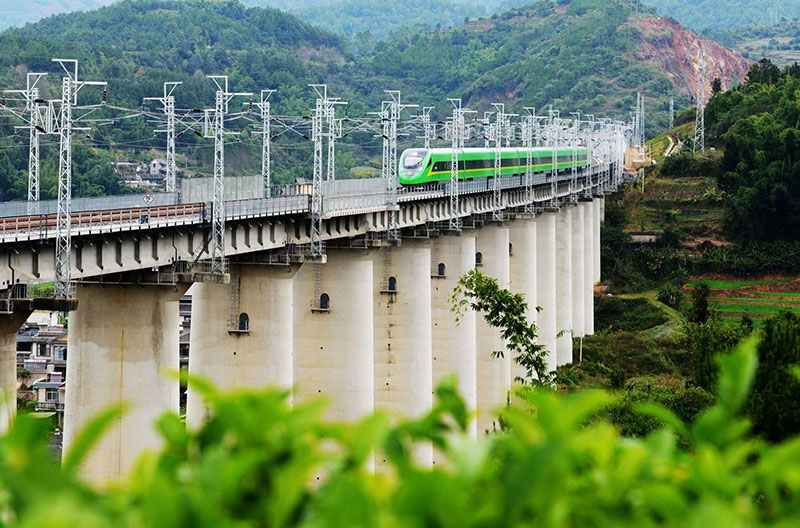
point(493, 374)
point(454, 344)
point(596, 220)
point(333, 333)
point(563, 284)
point(9, 325)
point(578, 262)
point(122, 339)
point(242, 332)
point(546, 284)
point(588, 267)
point(403, 334)
point(523, 256)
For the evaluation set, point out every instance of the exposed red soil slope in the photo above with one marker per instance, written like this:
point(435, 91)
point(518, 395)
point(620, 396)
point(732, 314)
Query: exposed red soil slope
point(673, 50)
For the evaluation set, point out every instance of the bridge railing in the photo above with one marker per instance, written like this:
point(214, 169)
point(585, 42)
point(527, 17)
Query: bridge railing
point(94, 203)
point(354, 196)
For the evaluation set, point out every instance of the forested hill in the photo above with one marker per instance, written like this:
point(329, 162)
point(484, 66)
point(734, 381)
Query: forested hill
point(702, 15)
point(137, 45)
point(587, 55)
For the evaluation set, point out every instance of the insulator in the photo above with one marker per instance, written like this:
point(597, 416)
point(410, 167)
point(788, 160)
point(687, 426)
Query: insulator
point(251, 105)
point(104, 97)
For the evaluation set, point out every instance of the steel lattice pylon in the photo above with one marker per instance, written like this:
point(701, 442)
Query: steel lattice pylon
point(700, 116)
point(390, 114)
point(216, 130)
point(63, 219)
point(324, 110)
point(554, 128)
point(70, 85)
point(528, 137)
point(316, 190)
point(168, 105)
point(457, 132)
point(218, 212)
point(266, 116)
point(573, 191)
point(36, 125)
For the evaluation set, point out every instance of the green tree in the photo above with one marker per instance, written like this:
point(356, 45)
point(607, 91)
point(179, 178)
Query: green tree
point(699, 311)
point(706, 341)
point(507, 311)
point(775, 402)
point(716, 86)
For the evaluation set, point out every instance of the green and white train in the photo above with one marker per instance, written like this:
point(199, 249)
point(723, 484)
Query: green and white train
point(433, 165)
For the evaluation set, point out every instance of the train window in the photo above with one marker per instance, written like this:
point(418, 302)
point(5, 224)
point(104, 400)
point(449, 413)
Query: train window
point(411, 162)
point(244, 322)
point(479, 259)
point(392, 284)
point(442, 269)
point(324, 302)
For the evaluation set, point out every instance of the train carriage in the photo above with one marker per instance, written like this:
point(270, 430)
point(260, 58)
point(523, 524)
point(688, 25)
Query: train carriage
point(418, 166)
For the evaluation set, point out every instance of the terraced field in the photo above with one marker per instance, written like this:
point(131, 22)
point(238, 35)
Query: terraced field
point(757, 298)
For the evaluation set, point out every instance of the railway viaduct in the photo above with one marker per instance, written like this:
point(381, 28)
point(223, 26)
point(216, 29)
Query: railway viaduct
point(368, 325)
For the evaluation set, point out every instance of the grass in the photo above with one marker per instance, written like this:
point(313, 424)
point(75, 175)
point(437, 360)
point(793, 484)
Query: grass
point(752, 309)
point(750, 300)
point(734, 284)
point(782, 294)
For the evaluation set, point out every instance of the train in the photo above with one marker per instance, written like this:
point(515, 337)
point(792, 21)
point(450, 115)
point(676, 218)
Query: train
point(418, 166)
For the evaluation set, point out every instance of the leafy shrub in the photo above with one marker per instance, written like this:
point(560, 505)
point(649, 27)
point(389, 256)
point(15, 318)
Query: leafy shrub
point(686, 403)
point(559, 463)
point(628, 315)
point(672, 296)
point(705, 342)
point(634, 355)
point(685, 165)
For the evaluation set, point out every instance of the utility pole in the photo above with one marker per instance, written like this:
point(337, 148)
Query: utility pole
point(324, 109)
point(457, 132)
point(390, 113)
point(266, 116)
point(590, 149)
point(168, 103)
point(489, 129)
point(70, 86)
point(503, 130)
point(428, 128)
point(576, 123)
point(216, 129)
point(671, 114)
point(700, 116)
point(529, 124)
point(36, 125)
point(638, 122)
point(554, 126)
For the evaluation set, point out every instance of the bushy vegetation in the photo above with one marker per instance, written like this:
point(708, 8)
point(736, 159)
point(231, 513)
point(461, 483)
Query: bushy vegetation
point(613, 313)
point(559, 463)
point(774, 405)
point(757, 126)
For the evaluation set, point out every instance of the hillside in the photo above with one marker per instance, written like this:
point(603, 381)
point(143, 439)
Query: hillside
point(125, 45)
point(702, 15)
point(19, 13)
point(587, 55)
point(779, 43)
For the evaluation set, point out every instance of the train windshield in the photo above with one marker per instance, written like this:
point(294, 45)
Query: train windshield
point(412, 161)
